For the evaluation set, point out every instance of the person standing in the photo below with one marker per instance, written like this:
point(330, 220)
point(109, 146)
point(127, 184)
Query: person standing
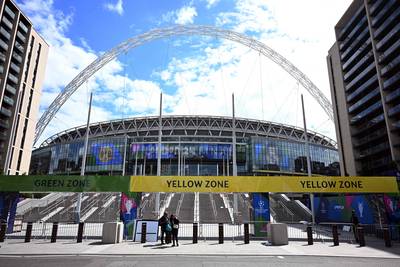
point(175, 227)
point(163, 222)
point(355, 222)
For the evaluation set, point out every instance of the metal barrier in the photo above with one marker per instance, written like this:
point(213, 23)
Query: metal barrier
point(212, 231)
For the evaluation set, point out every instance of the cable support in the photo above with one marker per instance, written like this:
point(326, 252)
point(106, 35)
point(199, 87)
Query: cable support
point(178, 30)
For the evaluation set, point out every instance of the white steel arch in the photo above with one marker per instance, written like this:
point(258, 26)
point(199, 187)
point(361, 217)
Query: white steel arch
point(178, 30)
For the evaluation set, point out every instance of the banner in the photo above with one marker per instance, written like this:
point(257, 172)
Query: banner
point(8, 209)
point(299, 184)
point(260, 204)
point(55, 183)
point(226, 184)
point(392, 208)
point(338, 209)
point(106, 154)
point(128, 210)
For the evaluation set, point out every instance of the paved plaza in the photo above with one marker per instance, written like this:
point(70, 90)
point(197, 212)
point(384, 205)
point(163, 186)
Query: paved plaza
point(17, 248)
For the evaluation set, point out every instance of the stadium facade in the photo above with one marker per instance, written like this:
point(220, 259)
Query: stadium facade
point(191, 145)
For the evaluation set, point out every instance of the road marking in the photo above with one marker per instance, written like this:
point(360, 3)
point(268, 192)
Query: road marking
point(280, 257)
point(10, 256)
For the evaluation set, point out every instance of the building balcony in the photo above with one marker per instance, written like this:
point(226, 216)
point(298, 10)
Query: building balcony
point(365, 50)
point(353, 34)
point(5, 33)
point(3, 45)
point(384, 13)
point(394, 111)
point(7, 23)
point(371, 138)
point(21, 36)
point(391, 66)
point(5, 112)
point(365, 88)
point(17, 57)
point(392, 96)
point(366, 113)
point(357, 44)
point(358, 67)
point(389, 38)
point(3, 136)
point(4, 124)
point(391, 82)
point(2, 57)
point(390, 53)
point(362, 77)
point(376, 7)
point(12, 78)
point(14, 67)
point(347, 28)
point(368, 126)
point(23, 27)
point(9, 12)
point(386, 26)
point(20, 47)
point(365, 100)
point(8, 100)
point(11, 89)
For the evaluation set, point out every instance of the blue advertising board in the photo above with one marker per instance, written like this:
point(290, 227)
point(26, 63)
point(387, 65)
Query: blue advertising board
point(338, 208)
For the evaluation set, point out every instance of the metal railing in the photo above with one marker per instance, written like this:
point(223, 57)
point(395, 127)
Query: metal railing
point(210, 231)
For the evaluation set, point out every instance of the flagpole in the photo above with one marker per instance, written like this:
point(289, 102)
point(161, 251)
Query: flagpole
point(79, 200)
point(157, 206)
point(308, 159)
point(234, 166)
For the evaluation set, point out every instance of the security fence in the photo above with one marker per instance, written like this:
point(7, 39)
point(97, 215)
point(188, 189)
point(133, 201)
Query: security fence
point(212, 231)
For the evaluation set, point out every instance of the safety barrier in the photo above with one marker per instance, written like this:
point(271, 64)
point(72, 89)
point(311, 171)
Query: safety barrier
point(335, 233)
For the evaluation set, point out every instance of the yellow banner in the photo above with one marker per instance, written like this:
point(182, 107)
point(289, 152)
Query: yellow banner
point(297, 184)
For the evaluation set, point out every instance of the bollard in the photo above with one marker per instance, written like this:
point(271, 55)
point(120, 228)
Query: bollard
point(220, 233)
point(335, 235)
point(246, 233)
point(361, 238)
point(28, 233)
point(3, 229)
point(195, 232)
point(386, 237)
point(80, 232)
point(309, 235)
point(54, 232)
point(144, 232)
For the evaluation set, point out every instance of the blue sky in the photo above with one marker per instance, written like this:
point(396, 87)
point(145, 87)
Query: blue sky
point(197, 75)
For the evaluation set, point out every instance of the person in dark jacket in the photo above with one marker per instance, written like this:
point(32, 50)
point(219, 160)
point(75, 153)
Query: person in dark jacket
point(355, 222)
point(175, 227)
point(162, 222)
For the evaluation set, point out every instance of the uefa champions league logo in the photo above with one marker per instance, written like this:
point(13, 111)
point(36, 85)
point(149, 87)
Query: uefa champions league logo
point(261, 208)
point(128, 206)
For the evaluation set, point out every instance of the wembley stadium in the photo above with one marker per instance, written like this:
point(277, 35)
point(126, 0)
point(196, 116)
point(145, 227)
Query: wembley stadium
point(191, 145)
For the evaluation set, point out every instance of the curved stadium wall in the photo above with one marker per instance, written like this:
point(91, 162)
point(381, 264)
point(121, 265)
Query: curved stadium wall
point(191, 145)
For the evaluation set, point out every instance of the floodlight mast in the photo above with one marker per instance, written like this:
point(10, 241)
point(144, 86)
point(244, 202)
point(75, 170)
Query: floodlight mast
point(179, 30)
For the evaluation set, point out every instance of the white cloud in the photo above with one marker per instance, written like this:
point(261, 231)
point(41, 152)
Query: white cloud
point(65, 61)
point(186, 15)
point(211, 3)
point(301, 31)
point(117, 7)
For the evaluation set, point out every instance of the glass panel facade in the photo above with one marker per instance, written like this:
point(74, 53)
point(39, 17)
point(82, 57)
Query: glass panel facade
point(106, 156)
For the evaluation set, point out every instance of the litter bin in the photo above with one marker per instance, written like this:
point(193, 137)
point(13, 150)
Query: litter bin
point(277, 234)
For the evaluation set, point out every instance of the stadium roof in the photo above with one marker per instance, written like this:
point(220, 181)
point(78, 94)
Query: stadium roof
point(199, 126)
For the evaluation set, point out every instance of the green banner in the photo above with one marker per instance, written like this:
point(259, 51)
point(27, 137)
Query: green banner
point(64, 183)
